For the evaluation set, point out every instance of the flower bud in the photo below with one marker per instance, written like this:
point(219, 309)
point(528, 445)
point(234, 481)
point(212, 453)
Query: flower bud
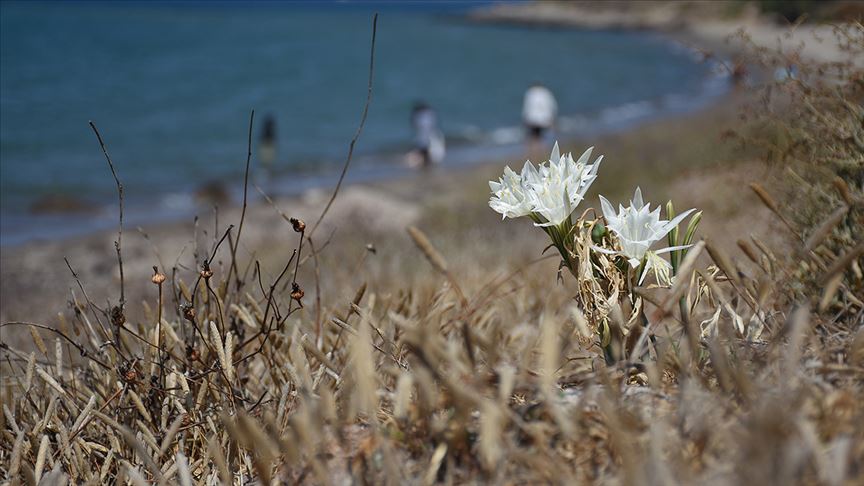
point(298, 224)
point(157, 277)
point(296, 292)
point(192, 353)
point(206, 273)
point(117, 317)
point(598, 232)
point(188, 312)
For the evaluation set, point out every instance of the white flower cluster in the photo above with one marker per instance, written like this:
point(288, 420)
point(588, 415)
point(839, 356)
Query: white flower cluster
point(637, 229)
point(548, 193)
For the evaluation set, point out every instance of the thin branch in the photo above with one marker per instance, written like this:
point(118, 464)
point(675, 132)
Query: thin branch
point(210, 259)
point(217, 245)
point(359, 128)
point(236, 244)
point(119, 242)
point(81, 349)
point(317, 291)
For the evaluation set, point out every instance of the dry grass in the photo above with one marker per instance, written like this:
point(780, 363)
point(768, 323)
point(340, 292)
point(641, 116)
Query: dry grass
point(458, 374)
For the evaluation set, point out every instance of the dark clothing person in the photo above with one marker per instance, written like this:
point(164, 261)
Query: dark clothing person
point(267, 146)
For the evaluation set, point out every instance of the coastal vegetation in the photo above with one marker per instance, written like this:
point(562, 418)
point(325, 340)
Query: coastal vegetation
point(464, 352)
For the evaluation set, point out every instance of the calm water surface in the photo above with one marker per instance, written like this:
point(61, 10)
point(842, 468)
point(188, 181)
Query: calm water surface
point(171, 87)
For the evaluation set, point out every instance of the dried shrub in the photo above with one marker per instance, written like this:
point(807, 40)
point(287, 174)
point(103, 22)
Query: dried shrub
point(747, 376)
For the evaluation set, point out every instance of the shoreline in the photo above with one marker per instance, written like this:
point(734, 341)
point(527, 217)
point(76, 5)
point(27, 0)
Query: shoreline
point(74, 218)
point(707, 26)
point(62, 218)
point(36, 283)
point(34, 273)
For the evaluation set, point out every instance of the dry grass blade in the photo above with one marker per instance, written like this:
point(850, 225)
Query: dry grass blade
point(723, 262)
point(682, 280)
point(771, 204)
point(216, 454)
point(141, 451)
point(842, 262)
point(40, 458)
point(183, 470)
point(823, 230)
point(422, 241)
point(435, 258)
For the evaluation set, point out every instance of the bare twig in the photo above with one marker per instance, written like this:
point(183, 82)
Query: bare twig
point(236, 243)
point(81, 349)
point(119, 242)
point(359, 128)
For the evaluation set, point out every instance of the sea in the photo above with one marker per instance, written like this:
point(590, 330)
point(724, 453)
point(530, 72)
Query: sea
point(170, 86)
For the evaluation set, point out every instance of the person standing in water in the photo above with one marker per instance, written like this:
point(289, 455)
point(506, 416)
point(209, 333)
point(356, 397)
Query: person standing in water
point(539, 110)
point(267, 145)
point(429, 147)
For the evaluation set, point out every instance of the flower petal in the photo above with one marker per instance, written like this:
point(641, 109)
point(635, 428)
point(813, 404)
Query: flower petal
point(583, 159)
point(671, 224)
point(608, 210)
point(636, 202)
point(670, 248)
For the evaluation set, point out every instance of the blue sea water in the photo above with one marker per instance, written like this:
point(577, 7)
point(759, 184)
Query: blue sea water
point(170, 87)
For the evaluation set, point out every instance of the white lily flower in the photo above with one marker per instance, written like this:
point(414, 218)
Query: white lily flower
point(509, 193)
point(549, 193)
point(562, 185)
point(638, 228)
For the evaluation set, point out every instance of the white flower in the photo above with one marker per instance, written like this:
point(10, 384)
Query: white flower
point(638, 228)
point(548, 193)
point(562, 185)
point(509, 193)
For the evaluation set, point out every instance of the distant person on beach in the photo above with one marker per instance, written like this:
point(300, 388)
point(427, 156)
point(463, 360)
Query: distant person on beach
point(267, 146)
point(539, 110)
point(429, 147)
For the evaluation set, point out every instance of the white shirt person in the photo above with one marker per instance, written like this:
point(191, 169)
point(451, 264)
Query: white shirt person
point(539, 111)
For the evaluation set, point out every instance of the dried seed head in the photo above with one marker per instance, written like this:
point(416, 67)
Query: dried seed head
point(296, 292)
point(128, 372)
point(192, 353)
point(117, 317)
point(765, 197)
point(157, 277)
point(206, 273)
point(843, 190)
point(298, 224)
point(188, 312)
